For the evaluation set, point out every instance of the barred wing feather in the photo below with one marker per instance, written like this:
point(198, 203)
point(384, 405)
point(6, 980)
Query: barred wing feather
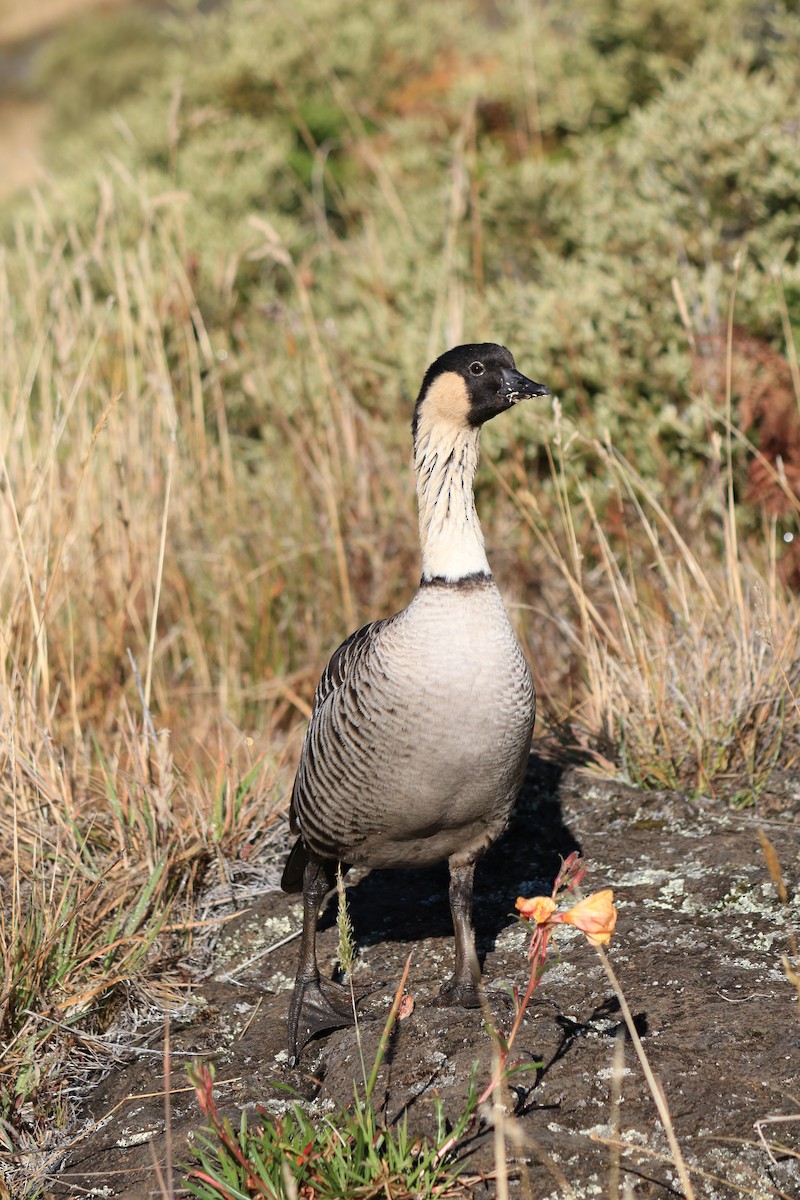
point(336, 697)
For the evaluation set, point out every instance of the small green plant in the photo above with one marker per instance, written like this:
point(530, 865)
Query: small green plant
point(350, 1154)
point(347, 1155)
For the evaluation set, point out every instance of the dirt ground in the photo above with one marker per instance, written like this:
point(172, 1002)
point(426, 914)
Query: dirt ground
point(698, 951)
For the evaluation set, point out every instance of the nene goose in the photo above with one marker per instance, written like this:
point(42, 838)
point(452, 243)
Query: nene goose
point(421, 724)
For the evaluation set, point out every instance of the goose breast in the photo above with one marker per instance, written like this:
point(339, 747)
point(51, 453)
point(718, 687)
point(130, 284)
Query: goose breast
point(417, 746)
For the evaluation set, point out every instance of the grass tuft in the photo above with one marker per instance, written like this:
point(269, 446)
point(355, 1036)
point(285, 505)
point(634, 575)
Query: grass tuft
point(348, 1154)
point(687, 645)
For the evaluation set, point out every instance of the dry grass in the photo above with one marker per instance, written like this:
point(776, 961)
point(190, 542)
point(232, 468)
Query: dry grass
point(107, 855)
point(689, 656)
point(105, 842)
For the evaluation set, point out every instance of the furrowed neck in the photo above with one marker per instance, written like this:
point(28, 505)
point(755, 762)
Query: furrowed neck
point(451, 539)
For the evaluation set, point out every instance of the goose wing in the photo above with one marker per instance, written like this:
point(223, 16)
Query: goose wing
point(337, 688)
point(344, 662)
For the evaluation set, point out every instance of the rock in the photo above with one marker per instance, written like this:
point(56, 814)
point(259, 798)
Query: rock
point(697, 950)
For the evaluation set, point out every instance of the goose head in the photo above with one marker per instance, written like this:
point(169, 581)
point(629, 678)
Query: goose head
point(461, 391)
point(469, 385)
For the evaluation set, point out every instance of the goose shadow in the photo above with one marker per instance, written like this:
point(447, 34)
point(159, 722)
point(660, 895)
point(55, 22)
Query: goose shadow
point(411, 905)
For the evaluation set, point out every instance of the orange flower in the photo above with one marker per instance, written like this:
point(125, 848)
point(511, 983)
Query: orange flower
point(595, 916)
point(539, 909)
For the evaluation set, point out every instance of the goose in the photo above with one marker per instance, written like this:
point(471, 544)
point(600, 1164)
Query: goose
point(421, 724)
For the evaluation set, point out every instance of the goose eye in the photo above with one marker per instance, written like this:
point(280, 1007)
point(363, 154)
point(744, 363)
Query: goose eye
point(476, 368)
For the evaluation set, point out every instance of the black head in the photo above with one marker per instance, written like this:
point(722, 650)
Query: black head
point(470, 384)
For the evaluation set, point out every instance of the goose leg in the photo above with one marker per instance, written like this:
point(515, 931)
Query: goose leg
point(462, 987)
point(317, 1004)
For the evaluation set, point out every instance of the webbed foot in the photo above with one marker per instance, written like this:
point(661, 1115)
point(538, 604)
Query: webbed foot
point(318, 1005)
point(461, 993)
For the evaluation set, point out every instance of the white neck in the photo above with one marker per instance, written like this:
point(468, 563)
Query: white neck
point(450, 534)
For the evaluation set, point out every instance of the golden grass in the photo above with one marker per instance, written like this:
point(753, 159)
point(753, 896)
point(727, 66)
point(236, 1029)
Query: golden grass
point(105, 858)
point(105, 843)
point(689, 658)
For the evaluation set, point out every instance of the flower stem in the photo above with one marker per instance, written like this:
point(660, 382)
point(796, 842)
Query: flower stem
point(652, 1082)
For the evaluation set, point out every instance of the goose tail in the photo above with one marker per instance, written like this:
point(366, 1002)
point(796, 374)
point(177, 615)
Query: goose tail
point(292, 878)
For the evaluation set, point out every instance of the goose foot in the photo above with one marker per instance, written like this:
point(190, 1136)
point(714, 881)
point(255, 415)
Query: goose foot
point(461, 993)
point(318, 1006)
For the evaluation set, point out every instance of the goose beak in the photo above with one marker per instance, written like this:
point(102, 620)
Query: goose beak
point(516, 387)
